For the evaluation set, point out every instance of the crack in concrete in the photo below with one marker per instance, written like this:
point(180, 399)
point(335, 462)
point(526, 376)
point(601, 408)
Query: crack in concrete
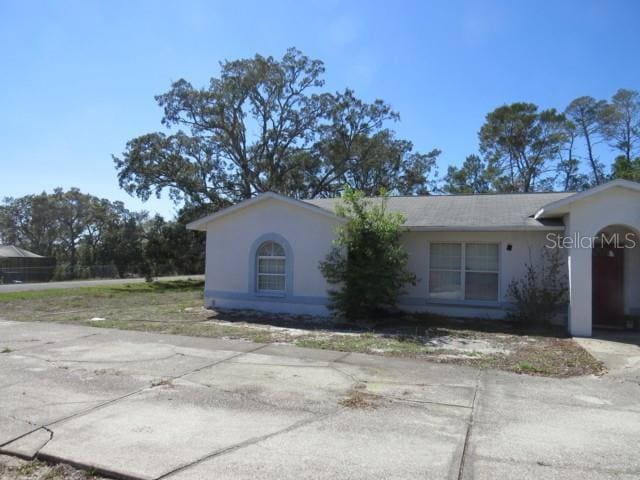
point(467, 438)
point(37, 450)
point(341, 357)
point(107, 473)
point(403, 384)
point(280, 365)
point(316, 417)
point(248, 443)
point(219, 361)
point(249, 397)
point(57, 362)
point(50, 432)
point(350, 376)
point(358, 381)
point(52, 342)
point(416, 401)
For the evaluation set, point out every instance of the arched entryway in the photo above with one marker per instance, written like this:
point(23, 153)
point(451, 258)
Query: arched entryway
point(615, 277)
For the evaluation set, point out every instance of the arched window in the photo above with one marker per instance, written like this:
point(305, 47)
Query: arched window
point(271, 267)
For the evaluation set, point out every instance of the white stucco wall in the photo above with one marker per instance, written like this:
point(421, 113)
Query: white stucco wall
point(229, 281)
point(229, 242)
point(527, 247)
point(632, 281)
point(615, 206)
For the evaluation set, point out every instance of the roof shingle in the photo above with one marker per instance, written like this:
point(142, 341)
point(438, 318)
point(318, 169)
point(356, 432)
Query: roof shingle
point(477, 212)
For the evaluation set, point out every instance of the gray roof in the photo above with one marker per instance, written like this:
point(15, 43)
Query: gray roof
point(469, 212)
point(11, 251)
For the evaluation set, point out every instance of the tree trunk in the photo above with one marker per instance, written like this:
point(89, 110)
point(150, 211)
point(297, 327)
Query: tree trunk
point(587, 138)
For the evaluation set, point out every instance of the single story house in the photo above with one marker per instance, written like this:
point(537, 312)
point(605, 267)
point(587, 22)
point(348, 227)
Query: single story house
point(264, 253)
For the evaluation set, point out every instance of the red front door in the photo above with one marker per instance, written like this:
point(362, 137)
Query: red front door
point(608, 287)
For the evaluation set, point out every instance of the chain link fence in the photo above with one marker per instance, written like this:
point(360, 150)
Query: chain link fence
point(46, 273)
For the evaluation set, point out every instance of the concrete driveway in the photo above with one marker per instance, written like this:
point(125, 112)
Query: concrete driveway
point(150, 406)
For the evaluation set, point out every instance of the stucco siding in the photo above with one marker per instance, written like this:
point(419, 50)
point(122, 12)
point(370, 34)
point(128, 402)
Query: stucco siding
point(526, 248)
point(632, 281)
point(229, 260)
point(616, 206)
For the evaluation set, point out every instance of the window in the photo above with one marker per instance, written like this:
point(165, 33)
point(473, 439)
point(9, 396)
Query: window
point(445, 275)
point(271, 274)
point(481, 271)
point(464, 271)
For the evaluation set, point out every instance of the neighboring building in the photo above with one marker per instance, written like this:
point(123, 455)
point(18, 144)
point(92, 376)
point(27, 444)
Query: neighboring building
point(263, 253)
point(19, 265)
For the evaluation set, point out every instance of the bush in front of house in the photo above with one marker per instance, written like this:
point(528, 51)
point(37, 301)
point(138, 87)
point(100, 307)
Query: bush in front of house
point(541, 293)
point(367, 263)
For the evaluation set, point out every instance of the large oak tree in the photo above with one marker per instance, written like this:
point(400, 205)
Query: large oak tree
point(267, 125)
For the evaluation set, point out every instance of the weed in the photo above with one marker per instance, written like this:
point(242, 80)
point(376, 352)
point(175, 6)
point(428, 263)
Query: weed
point(359, 400)
point(163, 382)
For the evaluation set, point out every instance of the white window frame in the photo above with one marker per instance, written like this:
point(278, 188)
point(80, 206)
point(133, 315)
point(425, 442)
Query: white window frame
point(463, 270)
point(450, 270)
point(261, 274)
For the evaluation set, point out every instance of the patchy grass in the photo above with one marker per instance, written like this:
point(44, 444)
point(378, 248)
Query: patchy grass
point(367, 343)
point(136, 301)
point(12, 468)
point(6, 350)
point(108, 291)
point(176, 308)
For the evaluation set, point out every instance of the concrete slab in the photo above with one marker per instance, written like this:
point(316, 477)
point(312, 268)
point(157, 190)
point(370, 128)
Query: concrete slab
point(28, 445)
point(457, 396)
point(163, 428)
point(265, 357)
point(550, 425)
point(200, 343)
point(17, 336)
point(405, 371)
point(12, 428)
point(291, 351)
point(604, 392)
point(39, 393)
point(620, 352)
point(278, 381)
point(233, 409)
point(143, 358)
point(395, 441)
point(498, 469)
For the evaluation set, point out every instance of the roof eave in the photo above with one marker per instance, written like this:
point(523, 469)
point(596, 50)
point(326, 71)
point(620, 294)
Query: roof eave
point(492, 228)
point(560, 207)
point(202, 223)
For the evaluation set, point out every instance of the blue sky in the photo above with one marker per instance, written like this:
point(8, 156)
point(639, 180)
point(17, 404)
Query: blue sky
point(78, 77)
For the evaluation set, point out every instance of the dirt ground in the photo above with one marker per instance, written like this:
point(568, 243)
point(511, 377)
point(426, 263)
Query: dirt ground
point(12, 468)
point(176, 308)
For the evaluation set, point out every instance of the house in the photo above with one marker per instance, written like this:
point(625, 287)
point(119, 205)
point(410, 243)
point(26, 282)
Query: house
point(263, 253)
point(20, 265)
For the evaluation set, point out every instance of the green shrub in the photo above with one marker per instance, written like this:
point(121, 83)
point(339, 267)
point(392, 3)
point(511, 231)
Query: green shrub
point(367, 264)
point(539, 296)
